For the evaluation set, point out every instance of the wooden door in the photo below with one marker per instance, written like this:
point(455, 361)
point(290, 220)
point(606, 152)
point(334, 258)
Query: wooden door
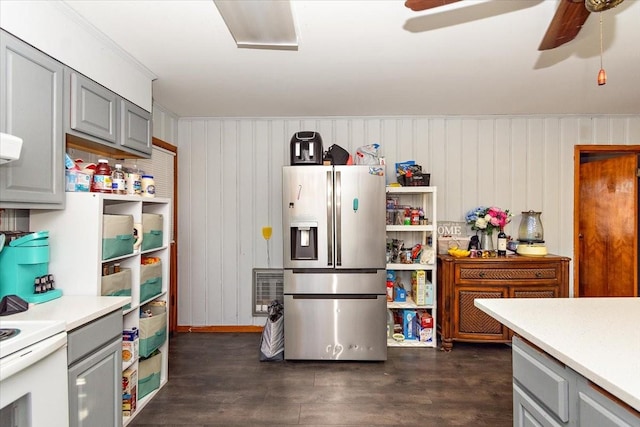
point(608, 226)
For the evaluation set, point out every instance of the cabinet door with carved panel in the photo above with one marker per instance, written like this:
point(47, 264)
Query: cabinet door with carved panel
point(472, 323)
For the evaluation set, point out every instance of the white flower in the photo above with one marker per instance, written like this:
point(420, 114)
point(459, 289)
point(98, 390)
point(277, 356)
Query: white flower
point(482, 222)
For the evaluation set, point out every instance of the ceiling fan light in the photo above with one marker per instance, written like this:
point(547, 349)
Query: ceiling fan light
point(601, 5)
point(602, 77)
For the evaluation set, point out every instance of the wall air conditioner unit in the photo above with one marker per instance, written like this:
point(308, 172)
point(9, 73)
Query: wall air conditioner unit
point(10, 147)
point(268, 285)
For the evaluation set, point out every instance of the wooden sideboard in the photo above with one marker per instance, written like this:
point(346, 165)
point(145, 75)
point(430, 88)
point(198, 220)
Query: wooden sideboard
point(462, 280)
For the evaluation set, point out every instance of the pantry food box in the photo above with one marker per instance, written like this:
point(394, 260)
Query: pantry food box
point(421, 288)
point(129, 391)
point(410, 325)
point(129, 347)
point(425, 325)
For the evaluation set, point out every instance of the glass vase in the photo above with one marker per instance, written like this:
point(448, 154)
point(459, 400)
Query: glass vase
point(486, 241)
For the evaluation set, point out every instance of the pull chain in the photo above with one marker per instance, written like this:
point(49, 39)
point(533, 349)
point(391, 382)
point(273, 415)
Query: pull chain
point(602, 74)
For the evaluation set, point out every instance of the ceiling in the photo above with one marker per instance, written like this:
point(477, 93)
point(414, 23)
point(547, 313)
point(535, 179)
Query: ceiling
point(378, 58)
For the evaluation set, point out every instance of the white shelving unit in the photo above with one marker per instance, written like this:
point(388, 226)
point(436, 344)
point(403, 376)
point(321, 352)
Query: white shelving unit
point(75, 241)
point(424, 197)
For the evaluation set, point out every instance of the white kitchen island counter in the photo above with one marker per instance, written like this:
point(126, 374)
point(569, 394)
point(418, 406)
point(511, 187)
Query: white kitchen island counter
point(74, 310)
point(597, 337)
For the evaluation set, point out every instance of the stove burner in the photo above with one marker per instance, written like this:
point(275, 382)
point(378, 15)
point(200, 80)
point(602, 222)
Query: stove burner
point(6, 333)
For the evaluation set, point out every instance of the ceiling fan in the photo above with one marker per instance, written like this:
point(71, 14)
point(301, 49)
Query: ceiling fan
point(564, 27)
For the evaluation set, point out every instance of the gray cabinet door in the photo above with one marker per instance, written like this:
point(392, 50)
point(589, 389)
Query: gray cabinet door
point(527, 412)
point(135, 124)
point(31, 108)
point(95, 388)
point(597, 410)
point(93, 108)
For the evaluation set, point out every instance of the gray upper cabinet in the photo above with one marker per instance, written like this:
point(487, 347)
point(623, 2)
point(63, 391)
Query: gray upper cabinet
point(93, 108)
point(31, 90)
point(99, 120)
point(135, 124)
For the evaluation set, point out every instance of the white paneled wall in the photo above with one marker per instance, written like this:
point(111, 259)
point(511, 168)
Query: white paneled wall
point(165, 124)
point(230, 185)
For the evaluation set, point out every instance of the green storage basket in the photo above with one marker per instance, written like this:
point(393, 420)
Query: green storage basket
point(150, 280)
point(147, 384)
point(117, 284)
point(117, 235)
point(149, 375)
point(153, 330)
point(152, 225)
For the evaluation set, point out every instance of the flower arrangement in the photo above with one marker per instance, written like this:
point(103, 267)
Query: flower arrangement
point(488, 219)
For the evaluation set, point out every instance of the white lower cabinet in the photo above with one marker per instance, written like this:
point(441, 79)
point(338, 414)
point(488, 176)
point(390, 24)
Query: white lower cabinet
point(547, 393)
point(79, 235)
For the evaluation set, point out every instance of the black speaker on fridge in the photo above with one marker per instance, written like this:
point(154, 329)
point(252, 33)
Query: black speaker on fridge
point(306, 148)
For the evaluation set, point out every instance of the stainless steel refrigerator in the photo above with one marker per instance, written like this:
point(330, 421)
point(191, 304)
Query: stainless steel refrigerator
point(334, 262)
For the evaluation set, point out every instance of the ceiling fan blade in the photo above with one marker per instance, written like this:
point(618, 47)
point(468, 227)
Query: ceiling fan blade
point(565, 25)
point(418, 5)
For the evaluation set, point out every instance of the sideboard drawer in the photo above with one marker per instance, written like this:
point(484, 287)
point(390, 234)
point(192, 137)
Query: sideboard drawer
point(470, 274)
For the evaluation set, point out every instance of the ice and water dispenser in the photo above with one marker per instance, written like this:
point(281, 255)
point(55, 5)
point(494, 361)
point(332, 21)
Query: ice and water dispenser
point(304, 240)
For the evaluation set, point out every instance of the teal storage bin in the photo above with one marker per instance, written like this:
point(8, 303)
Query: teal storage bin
point(117, 235)
point(152, 225)
point(149, 374)
point(22, 260)
point(117, 285)
point(153, 330)
point(150, 280)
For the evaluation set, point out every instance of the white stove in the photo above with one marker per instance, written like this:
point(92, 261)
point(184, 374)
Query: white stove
point(18, 334)
point(33, 373)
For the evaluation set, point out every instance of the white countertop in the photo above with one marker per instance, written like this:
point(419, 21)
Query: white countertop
point(596, 337)
point(74, 310)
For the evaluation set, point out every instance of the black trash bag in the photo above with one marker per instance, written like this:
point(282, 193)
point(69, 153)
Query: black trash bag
point(272, 341)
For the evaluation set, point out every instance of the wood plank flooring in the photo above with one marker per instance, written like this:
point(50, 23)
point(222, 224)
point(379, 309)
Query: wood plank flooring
point(216, 379)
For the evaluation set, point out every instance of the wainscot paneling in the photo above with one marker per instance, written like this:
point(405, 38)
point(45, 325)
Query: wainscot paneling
point(230, 185)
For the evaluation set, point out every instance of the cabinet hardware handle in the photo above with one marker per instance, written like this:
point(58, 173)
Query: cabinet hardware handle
point(538, 275)
point(481, 274)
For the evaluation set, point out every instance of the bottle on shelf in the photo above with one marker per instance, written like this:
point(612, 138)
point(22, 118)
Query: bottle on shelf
point(102, 177)
point(148, 186)
point(118, 180)
point(502, 243)
point(133, 176)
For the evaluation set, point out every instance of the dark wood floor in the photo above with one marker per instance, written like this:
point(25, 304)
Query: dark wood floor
point(218, 380)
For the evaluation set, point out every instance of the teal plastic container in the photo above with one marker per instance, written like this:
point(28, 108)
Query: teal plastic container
point(21, 261)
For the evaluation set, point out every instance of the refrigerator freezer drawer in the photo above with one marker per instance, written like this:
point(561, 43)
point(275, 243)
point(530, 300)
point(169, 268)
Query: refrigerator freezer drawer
point(335, 282)
point(335, 327)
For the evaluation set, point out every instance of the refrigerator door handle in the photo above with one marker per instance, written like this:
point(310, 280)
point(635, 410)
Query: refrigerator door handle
point(338, 198)
point(329, 219)
point(334, 296)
